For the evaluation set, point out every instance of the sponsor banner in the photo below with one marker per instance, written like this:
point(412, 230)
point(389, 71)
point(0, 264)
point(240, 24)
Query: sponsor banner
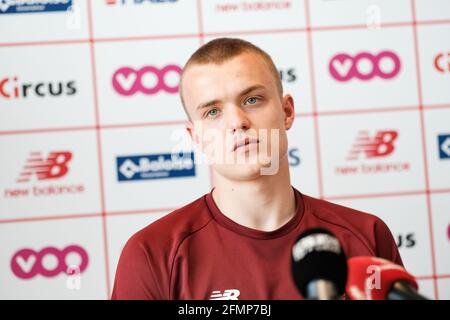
point(373, 153)
point(144, 18)
point(50, 174)
point(43, 20)
point(155, 166)
point(353, 67)
point(227, 16)
point(33, 6)
point(57, 92)
point(359, 12)
point(140, 82)
point(166, 173)
point(434, 64)
point(64, 260)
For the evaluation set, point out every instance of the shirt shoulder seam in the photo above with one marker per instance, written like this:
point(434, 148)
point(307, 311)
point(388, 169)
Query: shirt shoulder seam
point(178, 247)
point(346, 228)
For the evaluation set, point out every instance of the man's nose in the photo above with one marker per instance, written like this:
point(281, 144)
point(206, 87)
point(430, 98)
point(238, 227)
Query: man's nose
point(237, 118)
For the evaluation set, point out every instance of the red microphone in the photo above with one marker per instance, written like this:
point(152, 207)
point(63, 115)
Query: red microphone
point(371, 278)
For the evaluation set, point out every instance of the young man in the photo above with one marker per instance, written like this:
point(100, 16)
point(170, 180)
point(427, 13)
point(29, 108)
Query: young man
point(235, 242)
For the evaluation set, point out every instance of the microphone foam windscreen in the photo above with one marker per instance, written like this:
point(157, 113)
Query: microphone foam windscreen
point(317, 254)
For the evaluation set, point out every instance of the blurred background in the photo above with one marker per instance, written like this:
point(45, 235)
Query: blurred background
point(90, 114)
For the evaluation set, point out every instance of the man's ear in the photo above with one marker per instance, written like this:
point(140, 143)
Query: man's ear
point(289, 111)
point(190, 128)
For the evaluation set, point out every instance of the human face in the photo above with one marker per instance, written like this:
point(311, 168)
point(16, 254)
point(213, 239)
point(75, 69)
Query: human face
point(238, 118)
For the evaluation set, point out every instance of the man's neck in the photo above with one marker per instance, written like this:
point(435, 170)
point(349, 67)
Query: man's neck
point(265, 203)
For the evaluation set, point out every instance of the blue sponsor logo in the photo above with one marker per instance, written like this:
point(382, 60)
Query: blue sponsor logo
point(156, 166)
point(444, 146)
point(33, 6)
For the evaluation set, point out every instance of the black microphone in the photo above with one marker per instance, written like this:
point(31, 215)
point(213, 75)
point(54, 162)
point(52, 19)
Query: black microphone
point(319, 265)
point(402, 290)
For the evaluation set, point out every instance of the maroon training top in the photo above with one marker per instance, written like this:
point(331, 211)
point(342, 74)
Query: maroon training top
point(196, 252)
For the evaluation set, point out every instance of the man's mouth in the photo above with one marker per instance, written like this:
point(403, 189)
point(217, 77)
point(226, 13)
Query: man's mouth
point(245, 142)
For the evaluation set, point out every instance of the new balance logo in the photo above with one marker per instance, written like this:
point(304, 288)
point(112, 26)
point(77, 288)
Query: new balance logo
point(55, 166)
point(229, 294)
point(381, 145)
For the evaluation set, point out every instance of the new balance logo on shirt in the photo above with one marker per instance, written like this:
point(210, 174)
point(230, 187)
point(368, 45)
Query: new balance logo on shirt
point(229, 294)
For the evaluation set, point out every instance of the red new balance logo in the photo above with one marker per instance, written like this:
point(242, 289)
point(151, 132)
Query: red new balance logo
point(55, 166)
point(382, 144)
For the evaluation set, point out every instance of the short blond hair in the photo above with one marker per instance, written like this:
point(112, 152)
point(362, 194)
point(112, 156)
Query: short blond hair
point(221, 50)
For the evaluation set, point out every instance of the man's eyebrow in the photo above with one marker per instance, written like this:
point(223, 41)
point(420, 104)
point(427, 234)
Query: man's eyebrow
point(252, 88)
point(242, 93)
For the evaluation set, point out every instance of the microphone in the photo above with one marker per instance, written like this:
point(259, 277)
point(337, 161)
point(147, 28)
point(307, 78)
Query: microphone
point(371, 278)
point(319, 265)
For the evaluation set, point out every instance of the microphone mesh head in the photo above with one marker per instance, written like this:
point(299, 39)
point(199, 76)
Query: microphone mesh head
point(317, 254)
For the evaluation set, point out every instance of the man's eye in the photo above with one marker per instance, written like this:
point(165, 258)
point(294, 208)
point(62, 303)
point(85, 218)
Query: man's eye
point(252, 100)
point(212, 112)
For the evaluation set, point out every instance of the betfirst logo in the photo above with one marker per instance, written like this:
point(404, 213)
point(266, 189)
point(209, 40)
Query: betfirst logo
point(364, 66)
point(38, 174)
point(148, 80)
point(125, 2)
point(373, 153)
point(33, 6)
point(155, 166)
point(13, 88)
point(28, 263)
point(442, 62)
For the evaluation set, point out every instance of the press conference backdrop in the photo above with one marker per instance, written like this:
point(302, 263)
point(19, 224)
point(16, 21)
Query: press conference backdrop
point(90, 114)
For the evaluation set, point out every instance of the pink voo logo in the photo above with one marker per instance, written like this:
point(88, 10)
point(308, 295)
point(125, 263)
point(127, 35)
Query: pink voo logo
point(147, 80)
point(364, 66)
point(48, 262)
point(448, 232)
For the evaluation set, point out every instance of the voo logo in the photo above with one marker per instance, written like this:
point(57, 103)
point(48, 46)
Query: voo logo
point(147, 80)
point(364, 66)
point(48, 262)
point(448, 231)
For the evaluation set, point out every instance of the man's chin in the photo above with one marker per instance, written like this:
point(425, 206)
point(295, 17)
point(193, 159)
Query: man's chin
point(242, 172)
